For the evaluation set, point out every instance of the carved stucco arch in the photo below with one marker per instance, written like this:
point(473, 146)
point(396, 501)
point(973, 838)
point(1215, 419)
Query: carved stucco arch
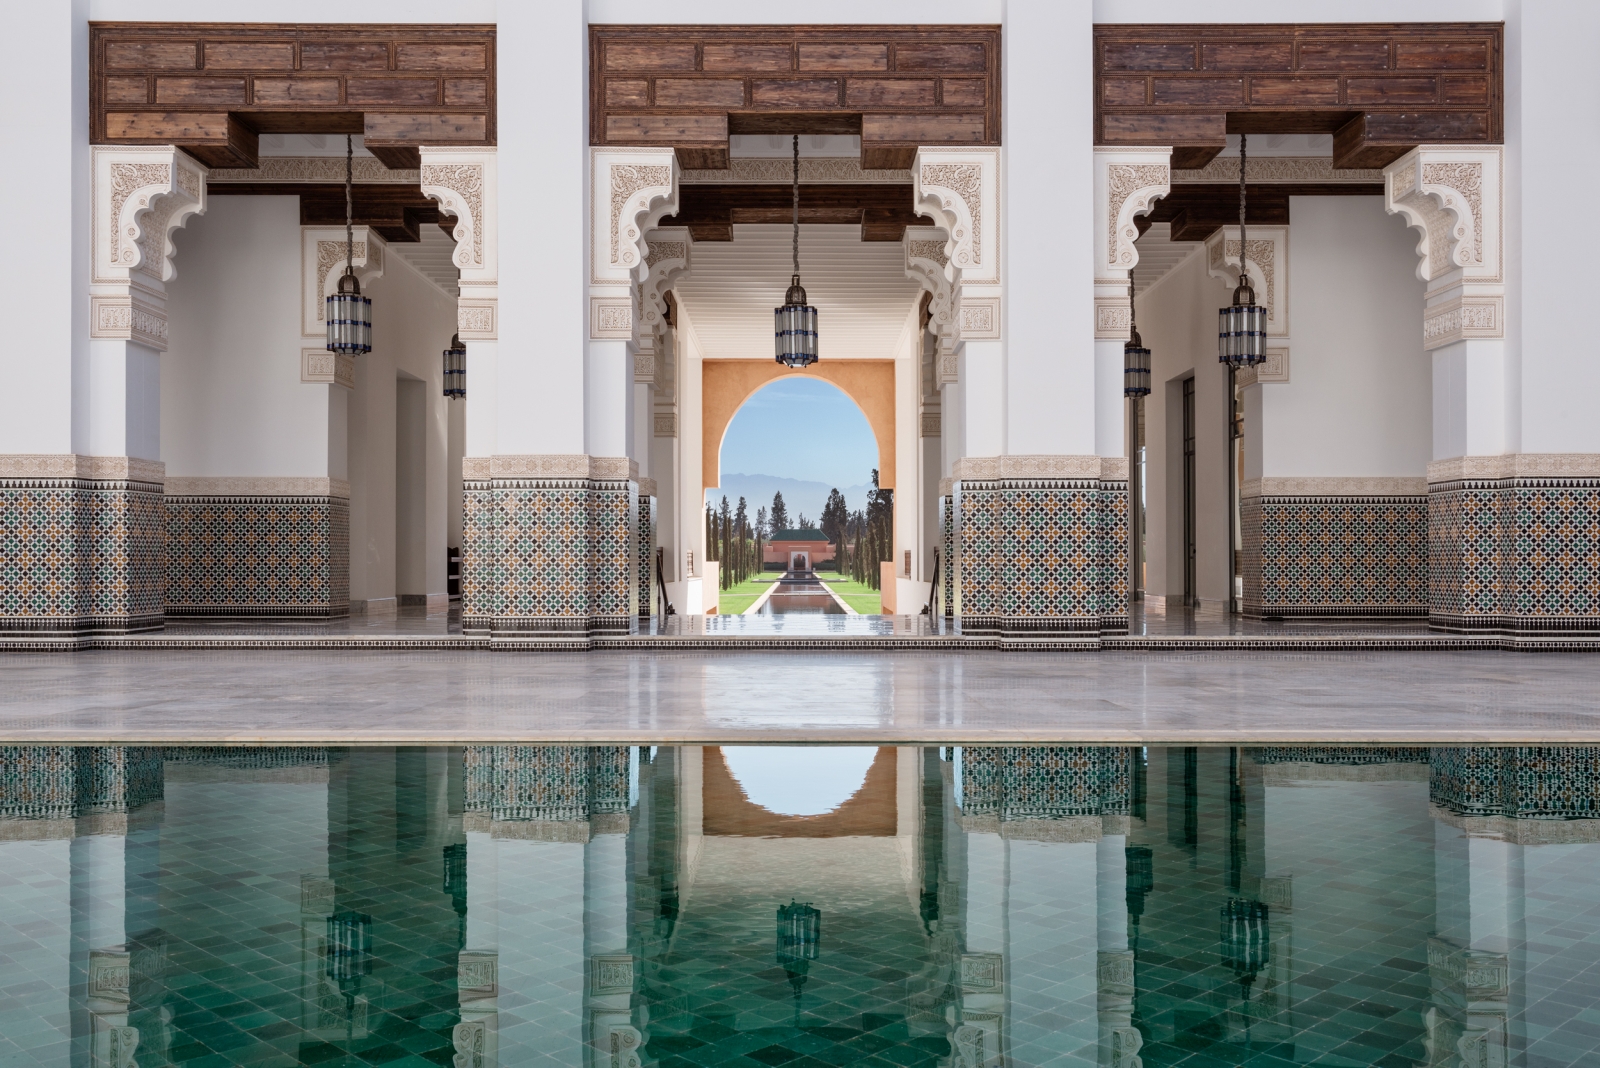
point(465, 183)
point(142, 195)
point(726, 385)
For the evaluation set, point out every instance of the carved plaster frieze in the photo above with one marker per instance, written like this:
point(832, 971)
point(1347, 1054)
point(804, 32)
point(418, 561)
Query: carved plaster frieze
point(666, 258)
point(932, 424)
point(648, 487)
point(129, 318)
point(1266, 170)
point(1516, 465)
point(1321, 486)
point(959, 189)
point(330, 368)
point(257, 486)
point(77, 465)
point(367, 170)
point(1113, 318)
point(1128, 182)
point(1520, 831)
point(927, 264)
point(989, 468)
point(949, 366)
point(780, 169)
point(1460, 315)
point(1451, 195)
point(978, 318)
point(946, 486)
point(1274, 369)
point(322, 261)
point(611, 318)
point(633, 189)
point(466, 183)
point(142, 194)
point(551, 465)
point(1269, 269)
point(666, 424)
point(644, 363)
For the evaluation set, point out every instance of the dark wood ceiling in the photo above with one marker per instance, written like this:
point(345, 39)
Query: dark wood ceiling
point(213, 88)
point(691, 87)
point(1380, 89)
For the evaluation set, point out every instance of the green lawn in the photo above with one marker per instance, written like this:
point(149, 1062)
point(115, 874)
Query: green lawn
point(858, 595)
point(731, 602)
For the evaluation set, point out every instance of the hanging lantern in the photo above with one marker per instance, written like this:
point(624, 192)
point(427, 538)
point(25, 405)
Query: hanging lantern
point(1135, 357)
point(349, 949)
point(348, 313)
point(455, 369)
point(1242, 328)
point(795, 333)
point(799, 933)
point(1245, 936)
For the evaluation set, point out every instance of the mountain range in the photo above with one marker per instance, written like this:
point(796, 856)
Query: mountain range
point(799, 495)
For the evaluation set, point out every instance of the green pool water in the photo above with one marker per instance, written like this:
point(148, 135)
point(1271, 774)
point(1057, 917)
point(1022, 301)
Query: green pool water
point(799, 906)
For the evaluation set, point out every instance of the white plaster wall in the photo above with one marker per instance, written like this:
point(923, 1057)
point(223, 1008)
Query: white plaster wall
point(1047, 266)
point(232, 403)
point(1359, 398)
point(1178, 322)
point(543, 153)
point(412, 322)
point(1552, 109)
point(47, 274)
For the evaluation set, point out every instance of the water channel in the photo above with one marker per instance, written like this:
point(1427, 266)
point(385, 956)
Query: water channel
point(801, 593)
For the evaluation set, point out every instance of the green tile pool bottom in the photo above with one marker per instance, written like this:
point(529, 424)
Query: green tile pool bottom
point(796, 907)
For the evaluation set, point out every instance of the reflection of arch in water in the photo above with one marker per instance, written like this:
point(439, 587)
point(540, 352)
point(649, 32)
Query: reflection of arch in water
point(727, 384)
point(728, 811)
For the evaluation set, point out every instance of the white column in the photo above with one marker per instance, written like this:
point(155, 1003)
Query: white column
point(47, 277)
point(1551, 89)
point(610, 967)
point(1056, 398)
point(466, 183)
point(1451, 195)
point(1127, 183)
point(631, 190)
point(1052, 934)
point(541, 961)
point(1114, 971)
point(539, 377)
point(980, 1037)
point(40, 960)
point(141, 195)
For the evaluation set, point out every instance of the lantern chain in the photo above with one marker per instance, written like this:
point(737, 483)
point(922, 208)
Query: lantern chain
point(349, 205)
point(797, 205)
point(1244, 276)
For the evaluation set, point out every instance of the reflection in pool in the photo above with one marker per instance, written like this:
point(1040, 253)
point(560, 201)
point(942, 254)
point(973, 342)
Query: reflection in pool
point(607, 905)
point(801, 593)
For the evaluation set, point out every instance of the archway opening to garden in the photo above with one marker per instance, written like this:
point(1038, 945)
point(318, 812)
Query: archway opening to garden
point(801, 519)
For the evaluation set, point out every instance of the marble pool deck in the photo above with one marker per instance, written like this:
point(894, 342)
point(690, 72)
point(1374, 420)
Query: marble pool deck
point(1152, 628)
point(387, 696)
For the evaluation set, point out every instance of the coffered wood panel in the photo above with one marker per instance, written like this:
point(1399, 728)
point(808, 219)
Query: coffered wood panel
point(213, 88)
point(896, 86)
point(1380, 89)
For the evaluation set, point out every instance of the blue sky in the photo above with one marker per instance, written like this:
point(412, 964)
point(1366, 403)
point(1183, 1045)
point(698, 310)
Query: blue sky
point(801, 428)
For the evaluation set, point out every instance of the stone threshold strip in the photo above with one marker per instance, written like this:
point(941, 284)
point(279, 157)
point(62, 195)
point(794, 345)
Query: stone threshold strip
point(864, 643)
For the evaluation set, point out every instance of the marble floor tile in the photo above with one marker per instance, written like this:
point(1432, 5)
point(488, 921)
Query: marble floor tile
point(359, 696)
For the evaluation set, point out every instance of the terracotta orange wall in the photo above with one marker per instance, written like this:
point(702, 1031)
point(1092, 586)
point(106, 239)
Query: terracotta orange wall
point(870, 811)
point(726, 384)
